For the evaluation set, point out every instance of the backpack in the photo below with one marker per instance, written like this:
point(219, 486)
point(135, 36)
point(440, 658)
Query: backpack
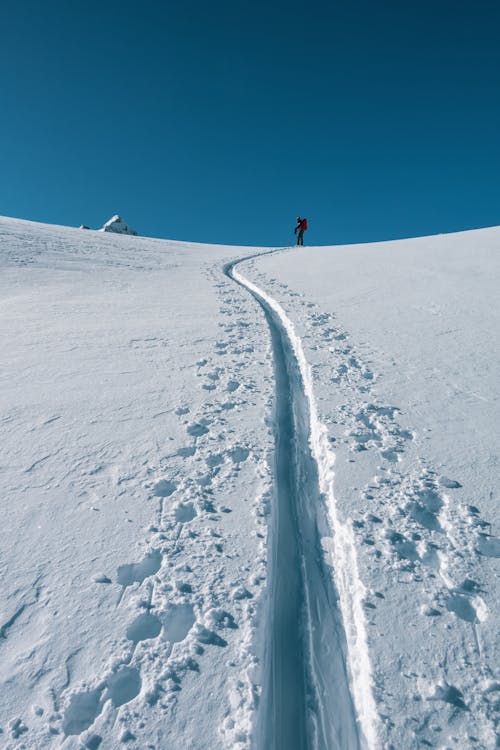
point(304, 224)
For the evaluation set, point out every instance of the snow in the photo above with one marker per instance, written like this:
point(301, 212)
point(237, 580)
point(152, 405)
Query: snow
point(117, 225)
point(402, 338)
point(162, 409)
point(344, 558)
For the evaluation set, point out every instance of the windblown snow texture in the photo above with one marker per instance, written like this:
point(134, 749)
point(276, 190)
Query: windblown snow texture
point(168, 444)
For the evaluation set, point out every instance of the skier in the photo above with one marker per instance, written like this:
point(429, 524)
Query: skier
point(300, 229)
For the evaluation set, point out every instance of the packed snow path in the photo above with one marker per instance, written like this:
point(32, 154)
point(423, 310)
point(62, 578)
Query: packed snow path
point(306, 692)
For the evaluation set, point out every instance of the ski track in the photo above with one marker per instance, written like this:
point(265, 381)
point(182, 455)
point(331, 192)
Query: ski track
point(416, 533)
point(319, 670)
point(317, 673)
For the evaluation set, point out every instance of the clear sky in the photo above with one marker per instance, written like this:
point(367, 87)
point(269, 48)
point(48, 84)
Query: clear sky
point(221, 120)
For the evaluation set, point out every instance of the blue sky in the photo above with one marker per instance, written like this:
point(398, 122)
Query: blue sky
point(221, 121)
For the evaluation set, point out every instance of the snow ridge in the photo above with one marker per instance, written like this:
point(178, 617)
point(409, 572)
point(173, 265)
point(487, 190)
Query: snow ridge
point(343, 550)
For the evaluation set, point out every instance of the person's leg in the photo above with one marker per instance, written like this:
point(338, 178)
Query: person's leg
point(301, 237)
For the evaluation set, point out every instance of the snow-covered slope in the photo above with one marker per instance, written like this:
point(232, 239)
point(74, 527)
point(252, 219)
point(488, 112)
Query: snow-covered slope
point(179, 565)
point(136, 383)
point(403, 340)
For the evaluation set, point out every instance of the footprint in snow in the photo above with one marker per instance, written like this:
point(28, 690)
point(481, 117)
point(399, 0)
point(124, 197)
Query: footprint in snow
point(424, 517)
point(93, 742)
point(144, 627)
point(209, 637)
point(450, 484)
point(123, 686)
point(205, 480)
point(197, 430)
point(186, 452)
point(391, 455)
point(82, 711)
point(214, 460)
point(138, 572)
point(431, 499)
point(488, 546)
point(164, 488)
point(403, 547)
point(449, 694)
point(461, 607)
point(17, 728)
point(239, 454)
point(184, 512)
point(178, 619)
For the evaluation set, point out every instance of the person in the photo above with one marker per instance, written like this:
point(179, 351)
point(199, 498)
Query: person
point(300, 229)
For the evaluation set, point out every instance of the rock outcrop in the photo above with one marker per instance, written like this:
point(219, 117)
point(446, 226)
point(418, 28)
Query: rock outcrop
point(117, 225)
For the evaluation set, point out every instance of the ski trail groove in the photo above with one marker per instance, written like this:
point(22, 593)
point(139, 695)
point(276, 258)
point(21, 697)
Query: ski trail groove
point(317, 690)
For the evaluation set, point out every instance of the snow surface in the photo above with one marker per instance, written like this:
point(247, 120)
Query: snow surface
point(160, 404)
